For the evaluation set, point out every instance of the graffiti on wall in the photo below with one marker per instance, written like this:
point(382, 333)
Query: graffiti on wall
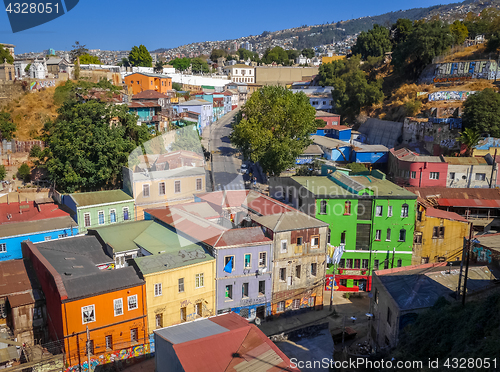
point(39, 84)
point(113, 356)
point(106, 266)
point(463, 71)
point(455, 123)
point(483, 255)
point(450, 96)
point(448, 143)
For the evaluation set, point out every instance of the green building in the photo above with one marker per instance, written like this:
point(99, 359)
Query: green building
point(371, 219)
point(100, 208)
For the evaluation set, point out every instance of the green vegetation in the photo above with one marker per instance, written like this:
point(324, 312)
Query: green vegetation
point(459, 32)
point(24, 172)
point(181, 64)
point(139, 56)
point(199, 65)
point(27, 68)
point(187, 138)
point(70, 90)
point(77, 51)
point(375, 42)
point(470, 138)
point(7, 127)
point(355, 167)
point(5, 55)
point(308, 52)
point(158, 67)
point(3, 172)
point(177, 86)
point(284, 122)
point(353, 88)
point(309, 169)
point(277, 54)
point(217, 53)
point(87, 59)
point(482, 112)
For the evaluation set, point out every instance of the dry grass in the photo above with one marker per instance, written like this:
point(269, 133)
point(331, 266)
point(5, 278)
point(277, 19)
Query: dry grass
point(30, 112)
point(465, 53)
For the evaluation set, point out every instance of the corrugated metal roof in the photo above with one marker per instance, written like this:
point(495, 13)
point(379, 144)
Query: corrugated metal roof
point(21, 299)
point(381, 132)
point(29, 211)
point(313, 150)
point(185, 256)
point(330, 143)
point(244, 236)
point(28, 227)
point(288, 221)
point(489, 240)
point(149, 94)
point(121, 236)
point(320, 114)
point(185, 332)
point(14, 277)
point(474, 203)
point(84, 199)
point(456, 193)
point(437, 213)
point(465, 160)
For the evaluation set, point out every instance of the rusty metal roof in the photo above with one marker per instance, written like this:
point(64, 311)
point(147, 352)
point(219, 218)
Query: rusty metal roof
point(438, 213)
point(465, 160)
point(456, 193)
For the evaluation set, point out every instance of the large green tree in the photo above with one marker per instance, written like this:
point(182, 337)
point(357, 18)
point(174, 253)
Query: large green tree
point(353, 88)
point(87, 59)
point(217, 53)
point(375, 42)
point(139, 56)
point(470, 138)
point(181, 64)
point(7, 127)
point(482, 112)
point(24, 172)
point(77, 51)
point(5, 55)
point(401, 30)
point(274, 127)
point(277, 54)
point(89, 143)
point(459, 32)
point(245, 54)
point(199, 65)
point(308, 52)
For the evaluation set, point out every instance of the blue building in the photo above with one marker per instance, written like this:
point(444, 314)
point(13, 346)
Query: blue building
point(147, 112)
point(340, 151)
point(333, 149)
point(12, 234)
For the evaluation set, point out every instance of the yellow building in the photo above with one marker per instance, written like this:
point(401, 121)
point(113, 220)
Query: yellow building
point(439, 235)
point(179, 277)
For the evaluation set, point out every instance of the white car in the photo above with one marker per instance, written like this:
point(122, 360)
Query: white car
point(244, 169)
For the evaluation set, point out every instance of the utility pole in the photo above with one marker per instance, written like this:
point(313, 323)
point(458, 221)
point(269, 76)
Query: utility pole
point(494, 162)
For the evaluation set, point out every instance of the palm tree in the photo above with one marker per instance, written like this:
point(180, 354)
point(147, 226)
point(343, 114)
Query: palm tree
point(470, 138)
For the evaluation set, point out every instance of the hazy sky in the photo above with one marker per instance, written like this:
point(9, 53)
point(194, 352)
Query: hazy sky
point(119, 25)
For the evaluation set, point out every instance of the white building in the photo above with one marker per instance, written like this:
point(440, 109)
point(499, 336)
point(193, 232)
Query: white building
point(38, 69)
point(319, 97)
point(19, 67)
point(301, 60)
point(241, 73)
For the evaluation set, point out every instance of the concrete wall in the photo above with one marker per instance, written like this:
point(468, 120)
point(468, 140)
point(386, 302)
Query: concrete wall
point(274, 75)
point(466, 176)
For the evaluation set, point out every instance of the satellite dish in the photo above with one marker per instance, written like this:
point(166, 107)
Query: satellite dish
point(257, 321)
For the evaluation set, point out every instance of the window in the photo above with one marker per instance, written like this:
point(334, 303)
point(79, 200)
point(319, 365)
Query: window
point(100, 215)
point(58, 237)
point(125, 213)
point(342, 263)
point(157, 289)
point(199, 184)
point(342, 238)
point(299, 240)
point(198, 308)
point(375, 264)
point(343, 282)
point(364, 210)
point(118, 306)
point(262, 287)
point(386, 264)
point(229, 292)
point(348, 263)
point(109, 342)
point(438, 232)
point(322, 207)
point(389, 315)
point(419, 216)
point(262, 259)
point(199, 281)
point(404, 210)
point(402, 235)
point(315, 242)
point(183, 314)
point(379, 210)
point(177, 187)
point(389, 211)
point(86, 218)
point(314, 269)
point(282, 274)
point(281, 307)
point(248, 260)
point(357, 263)
point(296, 304)
point(347, 208)
point(132, 302)
point(417, 239)
point(480, 176)
point(434, 175)
point(413, 174)
point(452, 175)
point(145, 190)
point(298, 269)
point(364, 263)
point(88, 314)
point(400, 262)
point(47, 238)
point(229, 261)
point(180, 283)
point(244, 290)
point(378, 234)
point(283, 246)
point(161, 188)
point(159, 320)
point(90, 346)
point(112, 216)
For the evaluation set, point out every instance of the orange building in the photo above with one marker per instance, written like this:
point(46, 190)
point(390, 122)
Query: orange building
point(85, 292)
point(139, 82)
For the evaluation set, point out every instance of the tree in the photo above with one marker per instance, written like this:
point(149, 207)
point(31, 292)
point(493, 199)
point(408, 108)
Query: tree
point(482, 112)
point(199, 65)
point(3, 172)
point(87, 59)
point(125, 62)
point(24, 172)
point(293, 54)
point(308, 52)
point(470, 138)
point(459, 32)
point(355, 167)
point(188, 139)
point(85, 152)
point(277, 54)
point(376, 42)
point(216, 54)
point(177, 86)
point(7, 127)
point(309, 169)
point(283, 121)
point(139, 56)
point(27, 68)
point(78, 50)
point(5, 55)
point(353, 90)
point(401, 30)
point(181, 64)
point(245, 54)
point(158, 67)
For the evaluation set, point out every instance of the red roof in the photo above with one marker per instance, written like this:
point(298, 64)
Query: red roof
point(143, 104)
point(218, 99)
point(28, 211)
point(334, 126)
point(149, 94)
point(438, 213)
point(473, 203)
point(226, 93)
point(267, 206)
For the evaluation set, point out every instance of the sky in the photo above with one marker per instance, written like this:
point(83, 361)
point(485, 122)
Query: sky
point(119, 25)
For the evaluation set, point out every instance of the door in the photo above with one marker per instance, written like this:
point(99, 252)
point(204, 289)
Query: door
point(261, 312)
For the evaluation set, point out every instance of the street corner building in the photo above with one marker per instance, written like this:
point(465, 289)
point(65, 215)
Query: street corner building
point(220, 343)
point(371, 220)
point(89, 304)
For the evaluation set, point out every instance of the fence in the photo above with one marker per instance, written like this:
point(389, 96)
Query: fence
point(19, 146)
